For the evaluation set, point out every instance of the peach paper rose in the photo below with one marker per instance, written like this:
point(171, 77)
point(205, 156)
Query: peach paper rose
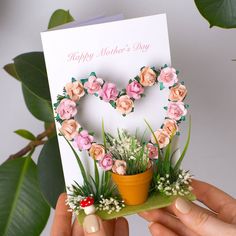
point(119, 167)
point(124, 104)
point(69, 128)
point(168, 76)
point(147, 76)
point(176, 110)
point(75, 90)
point(170, 126)
point(178, 93)
point(162, 138)
point(97, 152)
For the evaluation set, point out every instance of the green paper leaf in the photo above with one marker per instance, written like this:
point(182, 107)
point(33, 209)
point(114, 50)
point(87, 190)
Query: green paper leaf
point(30, 68)
point(220, 13)
point(83, 81)
point(25, 134)
point(60, 17)
point(93, 74)
point(50, 173)
point(161, 86)
point(73, 80)
point(23, 210)
point(11, 70)
point(39, 107)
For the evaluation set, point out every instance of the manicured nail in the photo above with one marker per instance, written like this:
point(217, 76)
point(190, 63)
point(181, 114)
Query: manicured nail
point(91, 224)
point(182, 205)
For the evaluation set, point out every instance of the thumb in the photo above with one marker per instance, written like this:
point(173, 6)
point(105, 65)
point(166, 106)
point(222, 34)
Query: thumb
point(93, 226)
point(199, 221)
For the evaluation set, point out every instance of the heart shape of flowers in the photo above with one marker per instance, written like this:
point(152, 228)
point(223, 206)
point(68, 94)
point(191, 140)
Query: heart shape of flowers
point(123, 101)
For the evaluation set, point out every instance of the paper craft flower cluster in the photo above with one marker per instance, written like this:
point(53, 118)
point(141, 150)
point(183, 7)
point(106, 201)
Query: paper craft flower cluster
point(123, 101)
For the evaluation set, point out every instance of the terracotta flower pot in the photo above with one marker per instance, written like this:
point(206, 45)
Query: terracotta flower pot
point(133, 188)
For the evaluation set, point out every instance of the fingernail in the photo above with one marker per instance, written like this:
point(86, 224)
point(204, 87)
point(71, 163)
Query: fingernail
point(182, 205)
point(91, 224)
point(150, 224)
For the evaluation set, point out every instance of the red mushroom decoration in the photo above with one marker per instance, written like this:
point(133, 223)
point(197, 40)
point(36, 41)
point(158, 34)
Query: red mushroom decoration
point(87, 205)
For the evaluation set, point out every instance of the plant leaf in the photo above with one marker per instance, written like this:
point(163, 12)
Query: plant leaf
point(31, 69)
point(23, 210)
point(11, 70)
point(220, 13)
point(38, 107)
point(60, 17)
point(50, 173)
point(25, 134)
point(178, 163)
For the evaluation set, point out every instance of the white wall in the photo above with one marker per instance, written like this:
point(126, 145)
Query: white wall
point(202, 55)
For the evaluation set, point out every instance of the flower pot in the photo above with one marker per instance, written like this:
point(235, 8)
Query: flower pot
point(133, 188)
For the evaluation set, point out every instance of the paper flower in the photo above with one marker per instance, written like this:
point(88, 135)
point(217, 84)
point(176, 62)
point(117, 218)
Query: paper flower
point(69, 128)
point(162, 138)
point(93, 85)
point(168, 76)
point(97, 151)
point(134, 90)
point(109, 92)
point(124, 104)
point(152, 151)
point(147, 76)
point(75, 90)
point(83, 140)
point(176, 110)
point(178, 93)
point(106, 162)
point(119, 167)
point(170, 126)
point(66, 109)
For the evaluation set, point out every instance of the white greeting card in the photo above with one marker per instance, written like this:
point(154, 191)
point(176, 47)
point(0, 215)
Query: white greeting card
point(115, 51)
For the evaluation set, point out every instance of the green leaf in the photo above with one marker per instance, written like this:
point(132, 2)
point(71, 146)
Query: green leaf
point(39, 107)
point(177, 165)
point(11, 70)
point(161, 86)
point(50, 173)
point(25, 134)
point(220, 13)
point(23, 210)
point(60, 17)
point(46, 126)
point(31, 69)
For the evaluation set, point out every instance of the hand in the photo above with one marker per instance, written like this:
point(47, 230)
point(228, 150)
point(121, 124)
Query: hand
point(93, 225)
point(188, 219)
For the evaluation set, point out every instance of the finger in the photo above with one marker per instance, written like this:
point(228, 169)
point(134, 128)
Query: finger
point(212, 197)
point(163, 217)
point(109, 226)
point(93, 226)
point(77, 229)
point(62, 219)
point(199, 221)
point(157, 229)
point(121, 227)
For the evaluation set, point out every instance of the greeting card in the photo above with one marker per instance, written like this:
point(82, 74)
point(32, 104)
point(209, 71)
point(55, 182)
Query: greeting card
point(118, 104)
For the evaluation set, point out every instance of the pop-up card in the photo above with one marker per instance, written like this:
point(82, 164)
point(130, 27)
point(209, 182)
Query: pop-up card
point(118, 104)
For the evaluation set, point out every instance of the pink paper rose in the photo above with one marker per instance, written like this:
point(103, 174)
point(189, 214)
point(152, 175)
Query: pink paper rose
point(93, 85)
point(124, 104)
point(75, 90)
point(119, 167)
point(176, 110)
point(134, 90)
point(83, 140)
point(162, 138)
point(178, 93)
point(147, 76)
point(66, 109)
point(168, 76)
point(69, 128)
point(109, 92)
point(152, 151)
point(97, 152)
point(106, 162)
point(170, 126)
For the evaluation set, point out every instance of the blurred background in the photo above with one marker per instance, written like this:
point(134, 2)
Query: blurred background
point(203, 55)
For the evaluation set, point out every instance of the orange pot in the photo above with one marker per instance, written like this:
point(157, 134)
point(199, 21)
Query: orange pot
point(133, 188)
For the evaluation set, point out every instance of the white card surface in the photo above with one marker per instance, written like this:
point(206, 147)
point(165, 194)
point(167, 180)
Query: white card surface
point(115, 51)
